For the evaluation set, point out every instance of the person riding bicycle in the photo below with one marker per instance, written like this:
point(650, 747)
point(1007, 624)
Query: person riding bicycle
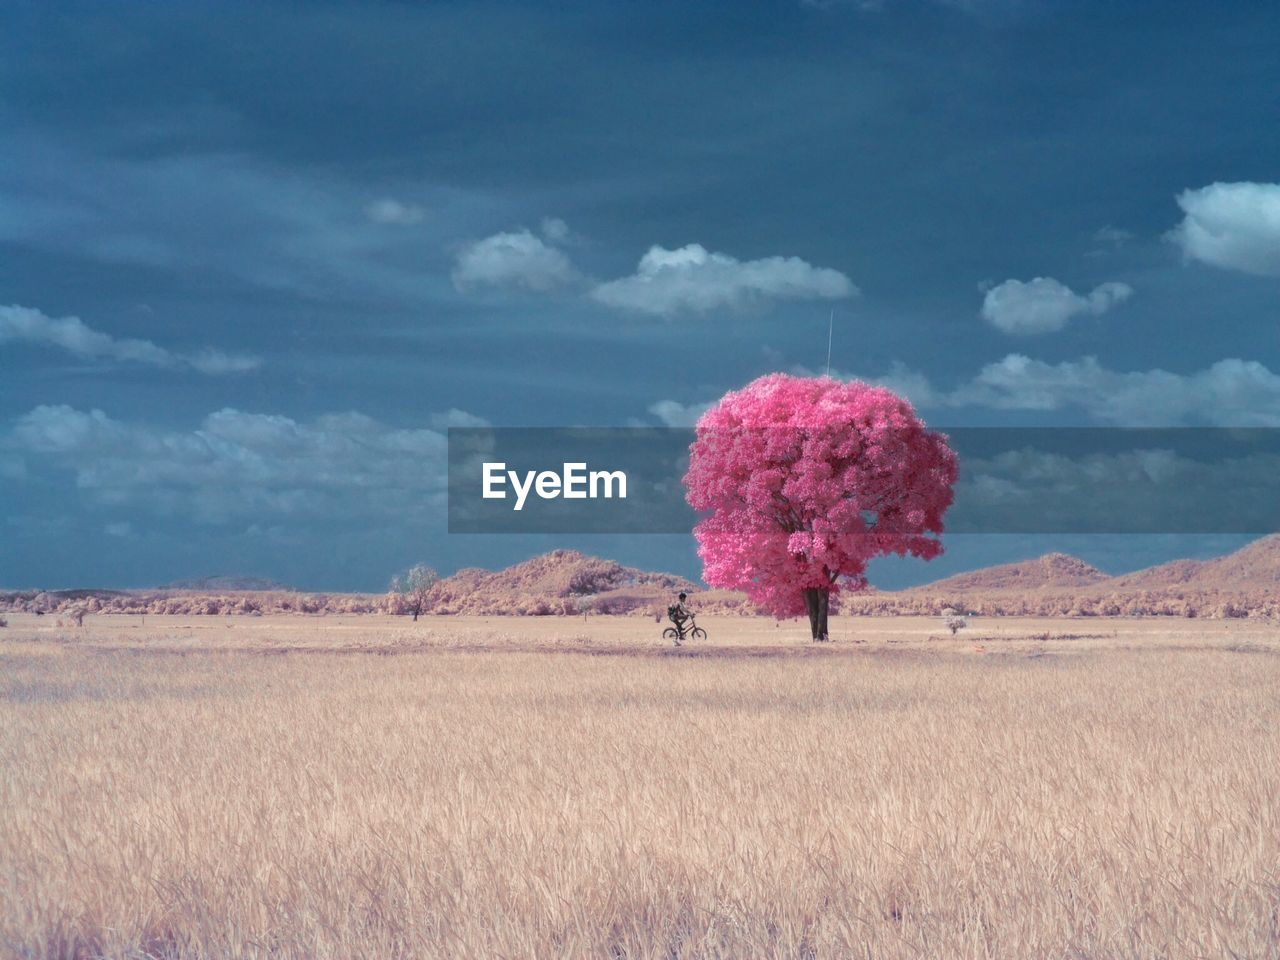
point(680, 614)
point(685, 627)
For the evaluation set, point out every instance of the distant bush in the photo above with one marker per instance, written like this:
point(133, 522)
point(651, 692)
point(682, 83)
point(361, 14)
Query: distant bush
point(411, 592)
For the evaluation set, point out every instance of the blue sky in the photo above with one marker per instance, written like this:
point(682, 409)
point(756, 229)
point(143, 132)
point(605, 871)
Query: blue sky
point(254, 259)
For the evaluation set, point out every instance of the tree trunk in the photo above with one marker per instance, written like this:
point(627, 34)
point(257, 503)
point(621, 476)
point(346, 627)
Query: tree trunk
point(816, 603)
point(415, 614)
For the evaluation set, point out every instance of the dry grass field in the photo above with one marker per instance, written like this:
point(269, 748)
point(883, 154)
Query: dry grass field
point(367, 788)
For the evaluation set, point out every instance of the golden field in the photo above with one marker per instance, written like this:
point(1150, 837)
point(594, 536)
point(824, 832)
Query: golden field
point(364, 787)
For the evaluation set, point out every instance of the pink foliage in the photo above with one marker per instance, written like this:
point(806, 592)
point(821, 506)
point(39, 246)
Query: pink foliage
point(807, 479)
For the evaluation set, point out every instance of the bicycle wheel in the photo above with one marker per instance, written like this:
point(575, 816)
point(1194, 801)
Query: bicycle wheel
point(699, 633)
point(671, 633)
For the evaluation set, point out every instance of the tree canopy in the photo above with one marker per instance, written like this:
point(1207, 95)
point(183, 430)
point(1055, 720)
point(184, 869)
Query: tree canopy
point(805, 480)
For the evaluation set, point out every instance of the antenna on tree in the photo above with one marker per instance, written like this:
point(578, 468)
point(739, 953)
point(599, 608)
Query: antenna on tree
point(831, 323)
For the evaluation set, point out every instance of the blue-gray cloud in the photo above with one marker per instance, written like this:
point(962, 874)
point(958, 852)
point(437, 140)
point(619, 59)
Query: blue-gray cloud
point(27, 325)
point(1228, 393)
point(227, 216)
point(1231, 392)
point(238, 465)
point(392, 211)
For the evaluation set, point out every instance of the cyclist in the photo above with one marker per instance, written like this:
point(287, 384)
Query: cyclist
point(680, 614)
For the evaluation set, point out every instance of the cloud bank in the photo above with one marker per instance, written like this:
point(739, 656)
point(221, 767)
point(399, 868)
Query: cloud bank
point(246, 465)
point(1229, 393)
point(235, 219)
point(27, 325)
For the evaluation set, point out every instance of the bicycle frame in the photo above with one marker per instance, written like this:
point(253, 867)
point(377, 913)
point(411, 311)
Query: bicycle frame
point(685, 626)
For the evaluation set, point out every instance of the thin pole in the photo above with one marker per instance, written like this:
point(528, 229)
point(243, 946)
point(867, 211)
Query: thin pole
point(831, 323)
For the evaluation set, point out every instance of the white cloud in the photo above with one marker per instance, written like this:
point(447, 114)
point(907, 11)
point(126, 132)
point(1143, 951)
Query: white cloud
point(239, 465)
point(675, 414)
point(28, 325)
point(122, 529)
point(515, 259)
point(1232, 225)
point(388, 210)
point(691, 278)
point(453, 417)
point(1043, 305)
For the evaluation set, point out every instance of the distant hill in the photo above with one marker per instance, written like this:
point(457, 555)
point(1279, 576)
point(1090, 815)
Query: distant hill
point(562, 580)
point(1256, 565)
point(222, 583)
point(1053, 571)
point(1171, 574)
point(1243, 583)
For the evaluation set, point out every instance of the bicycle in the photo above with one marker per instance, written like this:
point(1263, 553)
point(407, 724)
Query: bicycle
point(677, 633)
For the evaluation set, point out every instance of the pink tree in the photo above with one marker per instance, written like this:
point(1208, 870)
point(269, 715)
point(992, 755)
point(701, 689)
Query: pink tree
point(806, 479)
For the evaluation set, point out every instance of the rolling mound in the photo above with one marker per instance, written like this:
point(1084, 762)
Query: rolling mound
point(562, 581)
point(1053, 571)
point(1171, 574)
point(1245, 583)
point(1256, 565)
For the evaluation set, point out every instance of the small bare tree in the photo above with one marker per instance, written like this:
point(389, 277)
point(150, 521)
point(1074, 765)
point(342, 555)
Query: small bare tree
point(953, 621)
point(413, 588)
point(77, 613)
